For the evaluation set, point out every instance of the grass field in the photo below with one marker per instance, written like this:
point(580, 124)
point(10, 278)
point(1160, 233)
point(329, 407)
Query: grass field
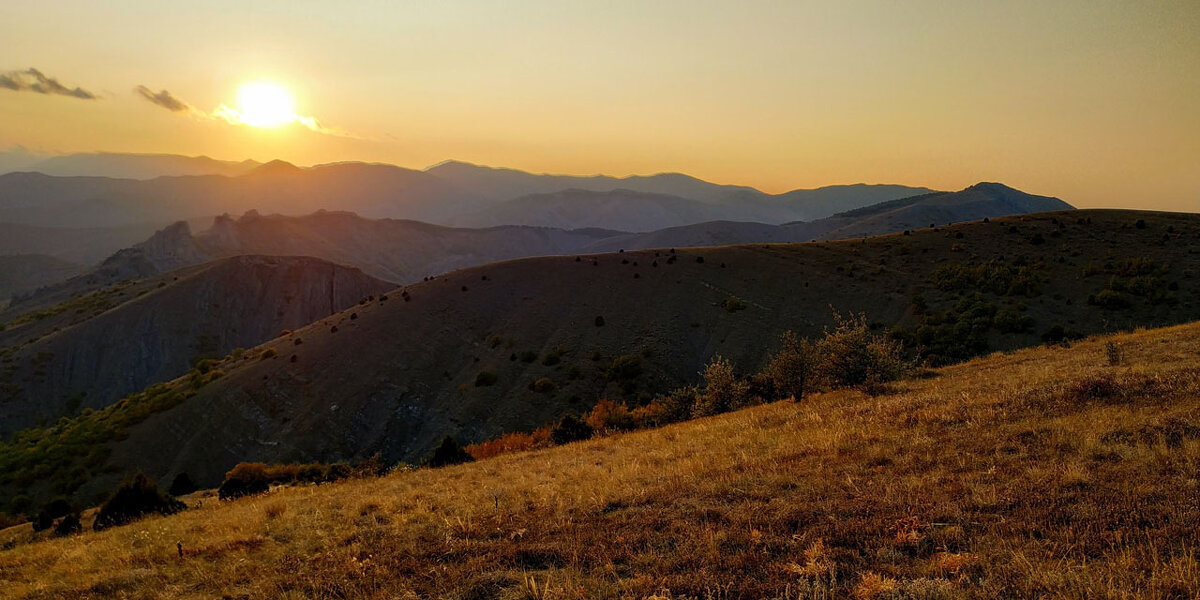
point(1046, 473)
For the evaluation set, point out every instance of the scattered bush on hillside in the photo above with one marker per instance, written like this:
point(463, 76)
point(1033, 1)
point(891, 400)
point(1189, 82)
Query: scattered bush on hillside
point(1112, 351)
point(723, 390)
point(448, 453)
point(599, 321)
point(570, 429)
point(852, 355)
point(626, 367)
point(528, 356)
point(182, 485)
point(268, 353)
point(485, 379)
point(995, 276)
point(134, 498)
point(245, 479)
point(733, 304)
point(607, 416)
point(1057, 333)
point(542, 385)
point(54, 509)
point(69, 525)
point(551, 359)
point(792, 371)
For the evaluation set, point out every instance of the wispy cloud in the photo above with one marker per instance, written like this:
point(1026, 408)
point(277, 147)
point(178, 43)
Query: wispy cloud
point(224, 113)
point(163, 98)
point(33, 80)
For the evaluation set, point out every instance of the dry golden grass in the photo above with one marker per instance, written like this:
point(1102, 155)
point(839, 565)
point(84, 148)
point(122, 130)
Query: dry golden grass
point(1044, 473)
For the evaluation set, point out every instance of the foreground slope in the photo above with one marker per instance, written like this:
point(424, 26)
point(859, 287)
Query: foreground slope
point(396, 375)
point(1043, 473)
point(92, 350)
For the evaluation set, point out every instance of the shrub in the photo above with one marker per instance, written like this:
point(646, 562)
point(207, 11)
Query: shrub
point(528, 356)
point(733, 304)
point(1110, 299)
point(68, 525)
point(608, 416)
point(245, 479)
point(1058, 333)
point(134, 498)
point(599, 321)
point(679, 404)
point(723, 391)
point(1112, 351)
point(551, 359)
point(268, 353)
point(182, 485)
point(790, 373)
point(543, 385)
point(570, 429)
point(485, 379)
point(448, 453)
point(852, 355)
point(625, 368)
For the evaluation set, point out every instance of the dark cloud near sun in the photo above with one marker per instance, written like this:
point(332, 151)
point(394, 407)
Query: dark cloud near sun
point(162, 98)
point(33, 80)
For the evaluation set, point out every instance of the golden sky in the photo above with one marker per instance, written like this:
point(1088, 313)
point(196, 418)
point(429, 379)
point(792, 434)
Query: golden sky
point(1093, 101)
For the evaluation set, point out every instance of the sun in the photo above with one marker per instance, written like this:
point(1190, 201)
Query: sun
point(264, 104)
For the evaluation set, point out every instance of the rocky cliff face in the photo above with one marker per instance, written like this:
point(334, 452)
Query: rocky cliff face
point(108, 344)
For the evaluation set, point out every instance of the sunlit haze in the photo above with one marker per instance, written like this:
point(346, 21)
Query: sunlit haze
point(1091, 101)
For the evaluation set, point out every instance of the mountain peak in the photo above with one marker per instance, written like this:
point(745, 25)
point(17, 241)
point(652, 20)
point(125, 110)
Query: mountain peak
point(276, 166)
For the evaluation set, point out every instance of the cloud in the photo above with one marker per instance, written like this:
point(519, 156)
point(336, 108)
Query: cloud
point(163, 98)
point(232, 116)
point(33, 80)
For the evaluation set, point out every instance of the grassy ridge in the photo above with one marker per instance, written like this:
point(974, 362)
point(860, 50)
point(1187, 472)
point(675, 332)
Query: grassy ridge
point(1044, 473)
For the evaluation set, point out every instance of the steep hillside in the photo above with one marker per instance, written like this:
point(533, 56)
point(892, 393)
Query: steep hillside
point(85, 246)
point(1046, 473)
point(92, 350)
point(396, 375)
point(21, 273)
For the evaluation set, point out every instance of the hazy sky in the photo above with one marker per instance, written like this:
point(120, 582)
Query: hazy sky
point(1093, 101)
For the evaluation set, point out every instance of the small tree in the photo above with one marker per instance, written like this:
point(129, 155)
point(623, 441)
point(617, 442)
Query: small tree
point(723, 391)
point(448, 453)
point(792, 370)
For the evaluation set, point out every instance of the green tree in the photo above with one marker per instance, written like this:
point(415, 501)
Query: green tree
point(791, 372)
point(723, 391)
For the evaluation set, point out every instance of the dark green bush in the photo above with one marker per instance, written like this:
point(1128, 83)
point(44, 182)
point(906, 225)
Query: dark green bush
point(570, 429)
point(69, 525)
point(486, 378)
point(182, 485)
point(448, 453)
point(625, 368)
point(134, 498)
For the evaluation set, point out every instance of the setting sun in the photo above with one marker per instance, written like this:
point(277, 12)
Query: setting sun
point(263, 104)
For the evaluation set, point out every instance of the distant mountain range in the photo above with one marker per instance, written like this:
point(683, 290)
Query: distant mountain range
point(448, 194)
point(406, 251)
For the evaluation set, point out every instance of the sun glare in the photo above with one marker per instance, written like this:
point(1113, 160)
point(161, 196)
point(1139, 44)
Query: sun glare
point(263, 104)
